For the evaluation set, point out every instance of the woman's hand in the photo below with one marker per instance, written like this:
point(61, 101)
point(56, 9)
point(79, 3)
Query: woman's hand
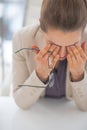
point(42, 67)
point(76, 60)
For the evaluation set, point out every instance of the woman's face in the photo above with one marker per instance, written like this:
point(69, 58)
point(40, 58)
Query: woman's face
point(63, 40)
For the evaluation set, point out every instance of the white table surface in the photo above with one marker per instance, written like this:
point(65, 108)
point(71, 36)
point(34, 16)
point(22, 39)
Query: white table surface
point(46, 114)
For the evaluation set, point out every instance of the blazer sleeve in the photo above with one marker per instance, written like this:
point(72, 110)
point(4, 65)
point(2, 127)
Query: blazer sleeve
point(24, 96)
point(79, 92)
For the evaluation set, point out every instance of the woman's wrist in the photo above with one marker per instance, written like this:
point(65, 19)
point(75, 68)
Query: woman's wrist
point(76, 78)
point(44, 79)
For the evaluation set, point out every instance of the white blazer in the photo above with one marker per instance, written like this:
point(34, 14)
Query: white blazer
point(24, 72)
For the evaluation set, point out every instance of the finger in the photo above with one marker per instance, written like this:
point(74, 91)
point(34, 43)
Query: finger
point(50, 61)
point(50, 52)
point(55, 60)
point(69, 60)
point(70, 53)
point(82, 53)
point(36, 49)
point(52, 48)
point(44, 50)
point(76, 57)
point(75, 52)
point(56, 51)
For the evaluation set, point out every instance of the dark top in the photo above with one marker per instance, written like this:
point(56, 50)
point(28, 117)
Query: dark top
point(57, 81)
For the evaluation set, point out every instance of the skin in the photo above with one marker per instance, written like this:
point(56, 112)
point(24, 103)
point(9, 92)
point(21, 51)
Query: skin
point(63, 45)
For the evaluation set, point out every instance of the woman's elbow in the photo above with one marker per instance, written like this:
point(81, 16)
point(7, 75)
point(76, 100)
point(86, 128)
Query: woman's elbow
point(83, 107)
point(21, 103)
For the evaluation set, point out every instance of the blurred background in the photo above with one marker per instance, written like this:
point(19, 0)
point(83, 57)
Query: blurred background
point(14, 14)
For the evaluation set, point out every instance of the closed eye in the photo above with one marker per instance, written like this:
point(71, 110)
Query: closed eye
point(65, 46)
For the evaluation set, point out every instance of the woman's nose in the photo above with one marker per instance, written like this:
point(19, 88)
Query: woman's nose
point(62, 52)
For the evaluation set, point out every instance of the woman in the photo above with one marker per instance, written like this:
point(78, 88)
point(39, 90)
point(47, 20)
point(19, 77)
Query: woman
point(57, 68)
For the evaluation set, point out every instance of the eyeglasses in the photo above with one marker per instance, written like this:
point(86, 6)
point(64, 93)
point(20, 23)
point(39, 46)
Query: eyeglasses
point(37, 49)
point(32, 49)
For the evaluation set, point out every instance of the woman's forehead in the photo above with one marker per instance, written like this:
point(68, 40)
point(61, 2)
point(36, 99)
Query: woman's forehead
point(63, 38)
